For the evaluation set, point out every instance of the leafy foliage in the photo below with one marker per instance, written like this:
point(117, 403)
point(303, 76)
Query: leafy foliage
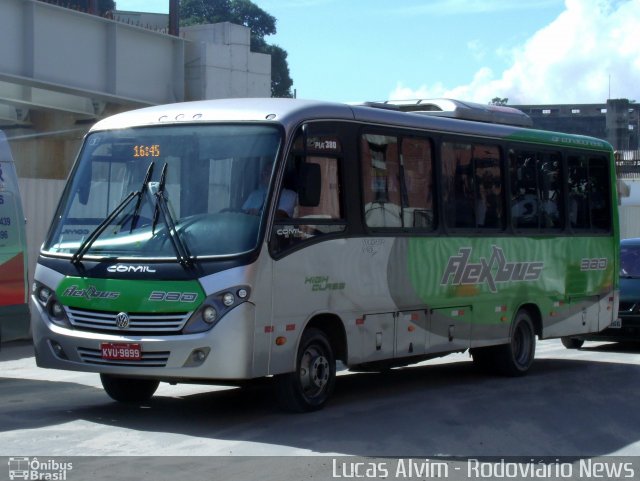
point(499, 101)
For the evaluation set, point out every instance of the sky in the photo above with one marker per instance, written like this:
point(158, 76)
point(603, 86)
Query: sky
point(528, 51)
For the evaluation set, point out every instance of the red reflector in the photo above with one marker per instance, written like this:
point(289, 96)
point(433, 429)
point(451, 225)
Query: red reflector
point(360, 321)
point(291, 327)
point(415, 316)
point(268, 329)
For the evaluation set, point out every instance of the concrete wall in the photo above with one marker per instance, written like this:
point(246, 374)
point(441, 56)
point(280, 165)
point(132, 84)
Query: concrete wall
point(220, 64)
point(47, 46)
point(629, 221)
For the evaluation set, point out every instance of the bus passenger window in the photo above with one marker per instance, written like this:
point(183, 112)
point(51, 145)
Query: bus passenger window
point(577, 181)
point(600, 194)
point(588, 193)
point(472, 186)
point(536, 190)
point(416, 183)
point(380, 181)
point(488, 187)
point(397, 182)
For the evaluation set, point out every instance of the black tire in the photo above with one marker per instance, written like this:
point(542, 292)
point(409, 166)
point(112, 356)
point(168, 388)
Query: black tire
point(572, 342)
point(515, 358)
point(128, 390)
point(309, 387)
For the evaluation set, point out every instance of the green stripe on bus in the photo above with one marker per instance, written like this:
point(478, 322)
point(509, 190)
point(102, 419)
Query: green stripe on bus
point(130, 295)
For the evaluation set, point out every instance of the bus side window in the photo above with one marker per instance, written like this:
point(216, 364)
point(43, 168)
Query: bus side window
point(600, 194)
point(416, 183)
point(578, 198)
point(458, 196)
point(588, 193)
point(536, 190)
point(318, 209)
point(472, 187)
point(380, 180)
point(524, 191)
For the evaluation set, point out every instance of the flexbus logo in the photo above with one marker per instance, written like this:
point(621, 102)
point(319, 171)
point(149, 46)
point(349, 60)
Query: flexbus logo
point(26, 468)
point(460, 271)
point(90, 293)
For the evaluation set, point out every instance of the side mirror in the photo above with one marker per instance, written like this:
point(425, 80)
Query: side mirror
point(309, 185)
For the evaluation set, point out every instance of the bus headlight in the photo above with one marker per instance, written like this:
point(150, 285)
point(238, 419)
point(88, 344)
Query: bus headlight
point(228, 299)
point(209, 314)
point(43, 293)
point(215, 307)
point(45, 296)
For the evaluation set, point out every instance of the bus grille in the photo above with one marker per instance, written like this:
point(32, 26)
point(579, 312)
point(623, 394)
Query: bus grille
point(149, 359)
point(142, 323)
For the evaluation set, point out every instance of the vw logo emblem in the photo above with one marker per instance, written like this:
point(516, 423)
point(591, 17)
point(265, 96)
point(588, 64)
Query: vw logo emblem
point(122, 320)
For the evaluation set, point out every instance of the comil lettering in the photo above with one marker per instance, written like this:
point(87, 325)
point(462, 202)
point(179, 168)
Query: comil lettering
point(122, 268)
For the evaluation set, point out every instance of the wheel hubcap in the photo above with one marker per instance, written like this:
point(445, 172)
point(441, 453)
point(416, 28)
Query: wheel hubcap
point(314, 371)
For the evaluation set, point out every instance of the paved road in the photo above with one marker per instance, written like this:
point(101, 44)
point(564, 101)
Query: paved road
point(573, 403)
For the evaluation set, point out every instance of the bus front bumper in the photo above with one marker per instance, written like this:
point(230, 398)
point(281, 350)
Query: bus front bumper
point(221, 353)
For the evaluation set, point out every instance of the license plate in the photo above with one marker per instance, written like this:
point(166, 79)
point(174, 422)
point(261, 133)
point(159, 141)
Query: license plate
point(118, 351)
point(617, 324)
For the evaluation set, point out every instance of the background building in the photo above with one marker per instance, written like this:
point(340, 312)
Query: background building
point(617, 121)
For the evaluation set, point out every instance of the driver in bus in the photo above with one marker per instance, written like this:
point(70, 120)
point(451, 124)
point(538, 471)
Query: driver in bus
point(253, 204)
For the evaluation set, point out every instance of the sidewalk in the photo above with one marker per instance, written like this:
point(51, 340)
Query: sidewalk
point(15, 350)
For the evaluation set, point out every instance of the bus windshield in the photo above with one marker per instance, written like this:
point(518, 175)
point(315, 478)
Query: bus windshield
point(161, 192)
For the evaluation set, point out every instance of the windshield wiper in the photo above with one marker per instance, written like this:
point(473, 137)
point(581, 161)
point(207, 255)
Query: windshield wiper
point(179, 246)
point(86, 244)
point(136, 212)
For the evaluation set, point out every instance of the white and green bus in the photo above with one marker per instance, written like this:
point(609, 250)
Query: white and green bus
point(228, 240)
point(14, 291)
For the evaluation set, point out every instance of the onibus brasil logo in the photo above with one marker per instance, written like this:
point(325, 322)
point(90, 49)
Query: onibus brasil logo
point(459, 271)
point(27, 468)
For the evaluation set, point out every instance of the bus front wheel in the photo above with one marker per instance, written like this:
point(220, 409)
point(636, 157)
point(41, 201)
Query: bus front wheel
point(128, 390)
point(309, 387)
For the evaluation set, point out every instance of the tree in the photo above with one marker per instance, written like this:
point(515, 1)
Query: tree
point(104, 6)
point(499, 101)
point(261, 24)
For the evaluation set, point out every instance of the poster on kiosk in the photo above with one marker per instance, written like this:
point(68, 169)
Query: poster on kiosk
point(14, 309)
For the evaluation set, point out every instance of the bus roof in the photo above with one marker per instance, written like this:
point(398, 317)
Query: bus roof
point(292, 112)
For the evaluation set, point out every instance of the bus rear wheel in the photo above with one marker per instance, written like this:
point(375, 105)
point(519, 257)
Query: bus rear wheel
point(515, 358)
point(128, 390)
point(309, 387)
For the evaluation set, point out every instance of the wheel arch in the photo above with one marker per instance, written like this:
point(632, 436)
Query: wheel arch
point(333, 328)
point(536, 316)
